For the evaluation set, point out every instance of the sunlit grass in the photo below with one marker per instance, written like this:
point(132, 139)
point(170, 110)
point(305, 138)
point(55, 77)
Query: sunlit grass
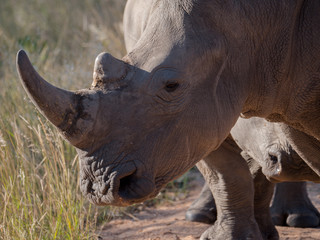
point(39, 192)
point(39, 181)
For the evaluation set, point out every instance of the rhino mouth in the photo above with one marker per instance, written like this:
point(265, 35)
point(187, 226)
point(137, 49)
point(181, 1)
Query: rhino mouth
point(124, 186)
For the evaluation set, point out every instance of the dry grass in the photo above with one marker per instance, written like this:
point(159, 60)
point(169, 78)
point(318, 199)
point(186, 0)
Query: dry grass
point(39, 185)
point(39, 192)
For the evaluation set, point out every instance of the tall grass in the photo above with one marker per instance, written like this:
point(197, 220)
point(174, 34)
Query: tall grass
point(39, 192)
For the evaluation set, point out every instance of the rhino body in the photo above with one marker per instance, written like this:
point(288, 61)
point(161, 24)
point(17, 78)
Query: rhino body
point(266, 149)
point(173, 99)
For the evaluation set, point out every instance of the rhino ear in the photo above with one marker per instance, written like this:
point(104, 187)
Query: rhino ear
point(61, 107)
point(108, 72)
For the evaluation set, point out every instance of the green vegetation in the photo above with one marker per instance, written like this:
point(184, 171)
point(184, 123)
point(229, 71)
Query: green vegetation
point(39, 187)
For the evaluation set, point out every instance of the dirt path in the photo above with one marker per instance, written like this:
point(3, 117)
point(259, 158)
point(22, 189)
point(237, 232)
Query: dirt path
point(167, 222)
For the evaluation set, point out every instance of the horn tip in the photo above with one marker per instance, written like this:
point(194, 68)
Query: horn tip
point(22, 61)
point(21, 56)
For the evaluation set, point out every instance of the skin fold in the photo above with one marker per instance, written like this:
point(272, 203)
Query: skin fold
point(196, 66)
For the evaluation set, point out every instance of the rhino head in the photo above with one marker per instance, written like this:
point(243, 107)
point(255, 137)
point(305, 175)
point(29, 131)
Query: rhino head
point(266, 143)
point(148, 118)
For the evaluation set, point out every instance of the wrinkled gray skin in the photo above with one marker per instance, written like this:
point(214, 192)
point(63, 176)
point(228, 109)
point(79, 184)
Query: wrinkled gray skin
point(266, 148)
point(175, 96)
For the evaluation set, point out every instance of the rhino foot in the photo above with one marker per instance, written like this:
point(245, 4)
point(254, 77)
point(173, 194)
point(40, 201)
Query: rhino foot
point(200, 215)
point(222, 232)
point(293, 208)
point(266, 225)
point(304, 219)
point(203, 209)
point(271, 235)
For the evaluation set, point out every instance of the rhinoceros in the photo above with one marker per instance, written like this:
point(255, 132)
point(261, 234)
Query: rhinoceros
point(266, 150)
point(262, 142)
point(173, 99)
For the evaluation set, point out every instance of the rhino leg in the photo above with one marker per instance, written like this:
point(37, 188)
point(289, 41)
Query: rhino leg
point(229, 179)
point(203, 209)
point(263, 191)
point(291, 206)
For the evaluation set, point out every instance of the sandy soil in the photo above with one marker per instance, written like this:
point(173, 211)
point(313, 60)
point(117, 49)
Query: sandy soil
point(167, 222)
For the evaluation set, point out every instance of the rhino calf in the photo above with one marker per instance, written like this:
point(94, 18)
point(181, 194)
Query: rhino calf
point(240, 201)
point(266, 150)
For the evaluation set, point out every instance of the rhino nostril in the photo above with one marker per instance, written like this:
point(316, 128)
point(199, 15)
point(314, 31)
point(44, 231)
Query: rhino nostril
point(125, 182)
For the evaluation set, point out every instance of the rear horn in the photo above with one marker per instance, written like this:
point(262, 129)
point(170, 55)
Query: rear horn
point(108, 72)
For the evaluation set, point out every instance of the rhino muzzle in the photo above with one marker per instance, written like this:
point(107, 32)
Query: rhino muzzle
point(121, 186)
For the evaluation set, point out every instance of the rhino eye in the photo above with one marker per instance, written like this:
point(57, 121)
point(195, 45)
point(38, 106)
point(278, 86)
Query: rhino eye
point(273, 158)
point(171, 86)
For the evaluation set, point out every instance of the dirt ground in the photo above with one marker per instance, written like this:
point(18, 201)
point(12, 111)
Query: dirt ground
point(167, 222)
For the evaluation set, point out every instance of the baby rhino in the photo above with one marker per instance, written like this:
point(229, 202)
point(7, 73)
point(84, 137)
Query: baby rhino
point(268, 156)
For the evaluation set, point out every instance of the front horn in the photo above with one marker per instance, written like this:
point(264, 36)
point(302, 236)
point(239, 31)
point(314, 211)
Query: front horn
point(63, 108)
